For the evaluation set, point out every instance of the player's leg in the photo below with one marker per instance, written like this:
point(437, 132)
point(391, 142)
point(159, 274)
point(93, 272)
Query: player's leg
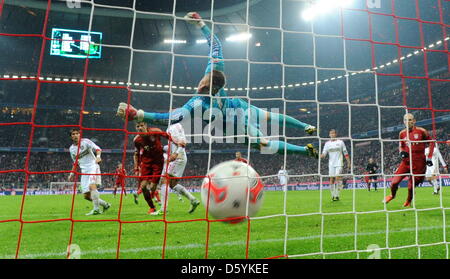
point(281, 119)
point(94, 195)
point(164, 195)
point(155, 195)
point(332, 186)
point(401, 173)
point(87, 186)
point(124, 187)
point(418, 171)
point(97, 179)
point(138, 192)
point(266, 146)
point(115, 190)
point(145, 185)
point(184, 192)
point(155, 170)
point(176, 170)
point(338, 184)
point(436, 187)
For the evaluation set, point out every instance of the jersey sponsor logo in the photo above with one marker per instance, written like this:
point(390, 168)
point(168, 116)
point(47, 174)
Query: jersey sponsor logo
point(416, 136)
point(83, 152)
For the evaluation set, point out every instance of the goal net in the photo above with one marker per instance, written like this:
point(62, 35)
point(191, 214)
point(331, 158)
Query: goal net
point(355, 67)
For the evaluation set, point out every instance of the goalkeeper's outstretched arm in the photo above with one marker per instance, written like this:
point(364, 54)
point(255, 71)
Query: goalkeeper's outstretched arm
point(214, 44)
point(130, 113)
point(214, 79)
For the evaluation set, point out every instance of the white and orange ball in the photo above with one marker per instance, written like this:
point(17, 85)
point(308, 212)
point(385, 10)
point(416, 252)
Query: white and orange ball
point(227, 188)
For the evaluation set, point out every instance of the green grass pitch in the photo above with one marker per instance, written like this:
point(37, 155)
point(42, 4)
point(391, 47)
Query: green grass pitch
point(293, 227)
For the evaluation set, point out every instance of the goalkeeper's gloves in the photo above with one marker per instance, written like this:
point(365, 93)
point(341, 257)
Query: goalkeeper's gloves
point(133, 114)
point(404, 155)
point(429, 162)
point(195, 18)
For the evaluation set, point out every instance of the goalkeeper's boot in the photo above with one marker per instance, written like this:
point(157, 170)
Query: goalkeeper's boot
point(194, 205)
point(310, 129)
point(93, 212)
point(407, 204)
point(135, 196)
point(387, 199)
point(106, 206)
point(312, 152)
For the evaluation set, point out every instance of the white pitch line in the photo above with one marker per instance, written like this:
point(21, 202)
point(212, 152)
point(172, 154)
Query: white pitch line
point(222, 244)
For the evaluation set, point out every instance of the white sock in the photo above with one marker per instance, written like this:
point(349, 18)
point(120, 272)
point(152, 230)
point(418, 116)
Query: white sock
point(164, 203)
point(101, 202)
point(180, 189)
point(435, 185)
point(95, 199)
point(333, 190)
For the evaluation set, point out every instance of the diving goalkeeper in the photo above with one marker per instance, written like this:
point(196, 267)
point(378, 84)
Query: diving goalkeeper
point(212, 86)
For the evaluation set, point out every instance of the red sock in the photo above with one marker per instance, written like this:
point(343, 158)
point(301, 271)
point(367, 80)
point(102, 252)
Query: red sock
point(148, 199)
point(156, 194)
point(139, 191)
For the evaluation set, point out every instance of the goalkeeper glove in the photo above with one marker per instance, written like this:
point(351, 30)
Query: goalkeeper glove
point(404, 155)
point(429, 162)
point(133, 114)
point(194, 18)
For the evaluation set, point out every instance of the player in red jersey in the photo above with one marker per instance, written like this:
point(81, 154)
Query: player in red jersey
point(148, 160)
point(120, 179)
point(412, 151)
point(240, 158)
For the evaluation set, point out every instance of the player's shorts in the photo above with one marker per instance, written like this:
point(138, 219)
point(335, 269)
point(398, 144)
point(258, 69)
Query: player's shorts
point(175, 168)
point(119, 182)
point(151, 169)
point(334, 171)
point(94, 178)
point(418, 169)
point(432, 171)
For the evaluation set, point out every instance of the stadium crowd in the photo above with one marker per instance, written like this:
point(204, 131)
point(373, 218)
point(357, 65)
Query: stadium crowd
point(388, 113)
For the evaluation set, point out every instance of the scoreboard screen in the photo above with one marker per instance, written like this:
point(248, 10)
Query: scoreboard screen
point(76, 43)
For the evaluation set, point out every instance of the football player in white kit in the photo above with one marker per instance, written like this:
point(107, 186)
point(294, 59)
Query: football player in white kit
point(336, 151)
point(432, 172)
point(90, 169)
point(283, 177)
point(177, 163)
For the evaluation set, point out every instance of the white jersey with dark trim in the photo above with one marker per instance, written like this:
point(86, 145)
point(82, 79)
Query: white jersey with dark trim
point(336, 151)
point(86, 155)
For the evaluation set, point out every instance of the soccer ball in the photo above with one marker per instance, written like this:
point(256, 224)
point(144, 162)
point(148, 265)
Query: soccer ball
point(225, 191)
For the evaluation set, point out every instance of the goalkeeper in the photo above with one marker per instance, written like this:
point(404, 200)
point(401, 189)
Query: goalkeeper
point(213, 83)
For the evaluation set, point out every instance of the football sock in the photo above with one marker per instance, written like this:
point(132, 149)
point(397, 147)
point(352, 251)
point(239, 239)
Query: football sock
point(435, 185)
point(156, 195)
point(95, 199)
point(180, 189)
point(148, 198)
point(164, 202)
